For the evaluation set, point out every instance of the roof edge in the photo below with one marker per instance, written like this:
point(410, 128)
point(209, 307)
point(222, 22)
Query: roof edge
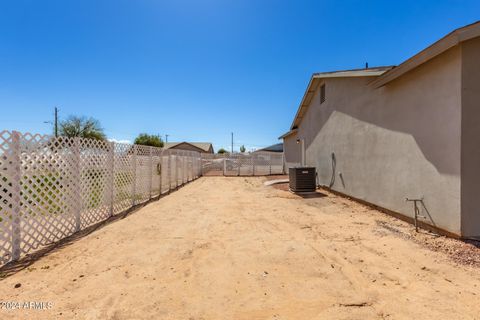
point(316, 77)
point(286, 134)
point(451, 40)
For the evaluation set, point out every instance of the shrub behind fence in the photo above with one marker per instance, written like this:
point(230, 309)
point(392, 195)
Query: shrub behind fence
point(52, 187)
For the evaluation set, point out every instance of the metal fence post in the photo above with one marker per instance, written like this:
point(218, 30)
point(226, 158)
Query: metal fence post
point(16, 195)
point(224, 165)
point(134, 169)
point(112, 175)
point(78, 183)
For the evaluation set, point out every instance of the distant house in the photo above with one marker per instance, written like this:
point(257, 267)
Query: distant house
point(273, 148)
point(202, 147)
point(390, 133)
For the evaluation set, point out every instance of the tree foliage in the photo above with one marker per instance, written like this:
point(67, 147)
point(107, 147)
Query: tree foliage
point(242, 148)
point(149, 140)
point(222, 151)
point(83, 127)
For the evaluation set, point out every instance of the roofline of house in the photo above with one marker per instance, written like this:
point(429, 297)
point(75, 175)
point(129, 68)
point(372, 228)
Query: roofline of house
point(289, 133)
point(450, 40)
point(191, 144)
point(316, 77)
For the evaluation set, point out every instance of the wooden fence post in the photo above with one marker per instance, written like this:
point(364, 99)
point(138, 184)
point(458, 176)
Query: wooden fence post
point(16, 195)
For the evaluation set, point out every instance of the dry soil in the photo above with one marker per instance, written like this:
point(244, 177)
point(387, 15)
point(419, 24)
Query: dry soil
point(232, 248)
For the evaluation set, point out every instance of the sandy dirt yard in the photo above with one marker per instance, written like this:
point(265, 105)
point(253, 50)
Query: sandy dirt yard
point(232, 248)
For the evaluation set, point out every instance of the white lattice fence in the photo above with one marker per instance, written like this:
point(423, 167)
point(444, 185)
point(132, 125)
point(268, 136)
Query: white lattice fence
point(243, 164)
point(53, 187)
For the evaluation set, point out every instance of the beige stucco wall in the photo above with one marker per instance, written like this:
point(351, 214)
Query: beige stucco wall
point(470, 138)
point(401, 140)
point(293, 156)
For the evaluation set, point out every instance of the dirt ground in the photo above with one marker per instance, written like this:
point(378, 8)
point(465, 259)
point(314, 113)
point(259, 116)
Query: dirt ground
point(232, 248)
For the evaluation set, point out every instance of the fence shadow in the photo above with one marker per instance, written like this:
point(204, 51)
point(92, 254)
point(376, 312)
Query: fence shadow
point(13, 267)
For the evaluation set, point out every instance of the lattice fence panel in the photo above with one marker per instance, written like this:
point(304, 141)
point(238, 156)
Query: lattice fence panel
point(184, 167)
point(52, 187)
point(165, 172)
point(124, 177)
point(157, 168)
point(212, 164)
point(189, 167)
point(96, 172)
point(7, 173)
point(48, 190)
point(143, 174)
point(178, 170)
point(243, 164)
point(173, 170)
point(277, 163)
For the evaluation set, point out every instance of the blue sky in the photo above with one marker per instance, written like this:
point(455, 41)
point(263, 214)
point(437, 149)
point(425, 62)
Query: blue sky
point(197, 70)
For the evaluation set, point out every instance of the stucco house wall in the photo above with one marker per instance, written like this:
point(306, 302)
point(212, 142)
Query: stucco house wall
point(400, 140)
point(470, 169)
point(293, 156)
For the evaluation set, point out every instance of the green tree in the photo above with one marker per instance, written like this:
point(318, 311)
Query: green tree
point(149, 140)
point(83, 127)
point(242, 148)
point(222, 151)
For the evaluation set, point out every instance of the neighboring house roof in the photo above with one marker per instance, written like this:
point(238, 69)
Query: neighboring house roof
point(273, 148)
point(316, 79)
point(450, 40)
point(204, 146)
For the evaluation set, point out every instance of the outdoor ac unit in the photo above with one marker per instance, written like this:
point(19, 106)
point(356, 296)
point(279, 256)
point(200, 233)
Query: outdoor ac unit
point(302, 179)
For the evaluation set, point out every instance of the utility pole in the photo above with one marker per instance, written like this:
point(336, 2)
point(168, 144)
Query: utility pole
point(166, 138)
point(232, 142)
point(56, 122)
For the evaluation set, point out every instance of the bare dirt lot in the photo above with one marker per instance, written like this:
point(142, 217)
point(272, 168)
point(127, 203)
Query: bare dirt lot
point(232, 248)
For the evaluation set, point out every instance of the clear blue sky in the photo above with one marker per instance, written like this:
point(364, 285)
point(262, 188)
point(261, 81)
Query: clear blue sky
point(197, 70)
